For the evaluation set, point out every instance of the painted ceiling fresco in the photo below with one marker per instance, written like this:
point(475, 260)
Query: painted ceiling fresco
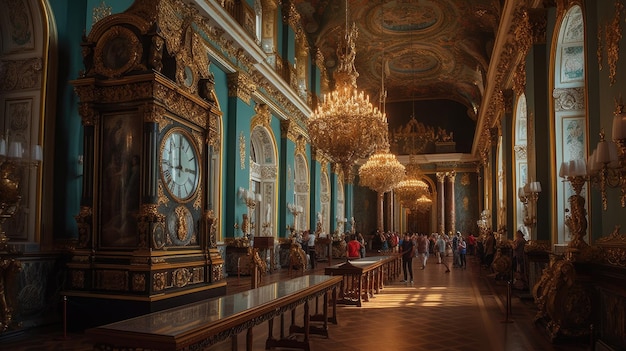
point(429, 50)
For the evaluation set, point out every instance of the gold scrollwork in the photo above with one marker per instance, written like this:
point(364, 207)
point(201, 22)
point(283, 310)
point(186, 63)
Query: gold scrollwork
point(242, 150)
point(118, 51)
point(181, 277)
point(139, 282)
point(159, 281)
point(613, 36)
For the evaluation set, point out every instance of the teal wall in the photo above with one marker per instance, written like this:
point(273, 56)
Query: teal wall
point(70, 24)
point(601, 105)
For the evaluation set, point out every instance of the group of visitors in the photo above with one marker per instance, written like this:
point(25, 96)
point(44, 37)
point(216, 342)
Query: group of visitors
point(440, 245)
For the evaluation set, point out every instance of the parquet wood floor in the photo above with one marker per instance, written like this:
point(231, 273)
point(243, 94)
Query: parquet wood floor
point(462, 310)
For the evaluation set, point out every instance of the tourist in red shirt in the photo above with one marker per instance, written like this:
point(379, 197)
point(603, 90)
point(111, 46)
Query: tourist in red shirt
point(354, 247)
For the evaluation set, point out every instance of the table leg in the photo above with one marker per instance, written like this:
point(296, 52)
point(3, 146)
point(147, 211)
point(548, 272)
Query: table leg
point(306, 324)
point(249, 340)
point(325, 311)
point(233, 343)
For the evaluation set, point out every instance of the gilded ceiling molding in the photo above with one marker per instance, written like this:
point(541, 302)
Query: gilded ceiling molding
point(519, 79)
point(262, 118)
point(240, 85)
point(523, 32)
point(20, 74)
point(509, 55)
point(569, 98)
point(291, 16)
point(613, 36)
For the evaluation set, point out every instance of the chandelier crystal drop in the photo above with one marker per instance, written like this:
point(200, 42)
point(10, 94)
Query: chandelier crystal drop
point(346, 126)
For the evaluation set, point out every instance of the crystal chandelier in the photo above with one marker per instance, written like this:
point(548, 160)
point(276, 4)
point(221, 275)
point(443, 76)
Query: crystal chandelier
point(421, 205)
point(411, 188)
point(345, 125)
point(381, 172)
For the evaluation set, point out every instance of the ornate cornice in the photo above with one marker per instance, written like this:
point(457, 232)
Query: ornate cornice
point(240, 85)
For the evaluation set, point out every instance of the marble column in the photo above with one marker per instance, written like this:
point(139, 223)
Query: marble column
point(451, 207)
point(441, 220)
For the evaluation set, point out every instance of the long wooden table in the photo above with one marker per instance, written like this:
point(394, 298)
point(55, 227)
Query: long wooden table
point(364, 277)
point(199, 325)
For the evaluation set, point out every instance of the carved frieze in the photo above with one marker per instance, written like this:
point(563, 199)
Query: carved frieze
point(569, 98)
point(20, 74)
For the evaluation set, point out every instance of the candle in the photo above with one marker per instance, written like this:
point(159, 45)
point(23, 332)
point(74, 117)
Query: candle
point(15, 150)
point(3, 147)
point(37, 153)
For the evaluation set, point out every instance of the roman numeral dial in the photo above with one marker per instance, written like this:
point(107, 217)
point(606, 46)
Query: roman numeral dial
point(180, 167)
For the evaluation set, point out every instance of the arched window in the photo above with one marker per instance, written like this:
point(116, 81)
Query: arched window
point(521, 161)
point(325, 200)
point(302, 65)
point(570, 119)
point(263, 177)
point(27, 43)
point(302, 191)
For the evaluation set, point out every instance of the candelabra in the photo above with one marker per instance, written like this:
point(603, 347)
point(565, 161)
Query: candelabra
point(607, 163)
point(12, 163)
point(295, 210)
point(528, 195)
point(341, 221)
point(575, 172)
point(249, 198)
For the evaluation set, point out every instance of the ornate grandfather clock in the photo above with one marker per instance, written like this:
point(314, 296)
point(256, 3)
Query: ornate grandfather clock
point(147, 237)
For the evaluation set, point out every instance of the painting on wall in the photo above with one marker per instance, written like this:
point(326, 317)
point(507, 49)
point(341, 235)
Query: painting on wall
point(120, 165)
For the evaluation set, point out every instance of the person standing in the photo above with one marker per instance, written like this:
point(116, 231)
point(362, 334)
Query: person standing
point(440, 246)
point(362, 242)
point(407, 251)
point(462, 249)
point(311, 247)
point(471, 244)
point(422, 249)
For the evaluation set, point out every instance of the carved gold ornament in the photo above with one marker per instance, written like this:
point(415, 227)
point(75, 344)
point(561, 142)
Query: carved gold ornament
point(117, 52)
point(242, 150)
point(613, 37)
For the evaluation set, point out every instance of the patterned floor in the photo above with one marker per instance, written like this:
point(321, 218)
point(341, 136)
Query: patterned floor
point(462, 310)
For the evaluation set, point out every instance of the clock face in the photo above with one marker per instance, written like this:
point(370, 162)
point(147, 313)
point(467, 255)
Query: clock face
point(180, 168)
